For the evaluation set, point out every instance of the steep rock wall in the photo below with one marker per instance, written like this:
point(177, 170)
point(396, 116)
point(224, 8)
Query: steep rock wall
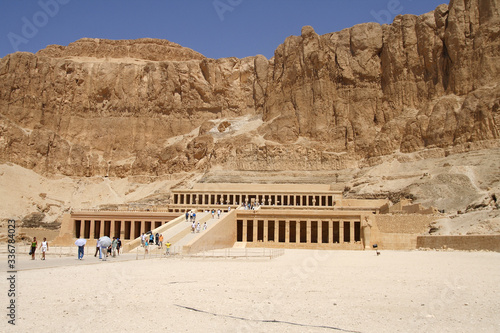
point(152, 107)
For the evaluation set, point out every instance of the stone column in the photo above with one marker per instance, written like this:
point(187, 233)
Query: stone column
point(143, 227)
point(276, 231)
point(341, 231)
point(101, 230)
point(297, 231)
point(351, 225)
point(330, 231)
point(245, 231)
point(112, 229)
point(92, 226)
point(308, 231)
point(287, 231)
point(132, 229)
point(255, 231)
point(122, 230)
point(266, 231)
point(320, 232)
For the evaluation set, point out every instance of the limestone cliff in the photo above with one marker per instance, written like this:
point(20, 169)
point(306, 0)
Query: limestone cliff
point(151, 107)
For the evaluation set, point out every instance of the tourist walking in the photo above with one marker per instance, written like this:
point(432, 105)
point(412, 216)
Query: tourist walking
point(151, 239)
point(198, 227)
point(213, 213)
point(161, 241)
point(98, 249)
point(187, 216)
point(81, 249)
point(146, 247)
point(114, 245)
point(157, 238)
point(193, 226)
point(44, 247)
point(194, 217)
point(104, 253)
point(143, 239)
point(205, 226)
point(118, 245)
point(218, 213)
point(33, 248)
point(167, 245)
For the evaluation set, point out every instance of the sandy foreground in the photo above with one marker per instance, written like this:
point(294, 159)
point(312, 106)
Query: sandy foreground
point(301, 291)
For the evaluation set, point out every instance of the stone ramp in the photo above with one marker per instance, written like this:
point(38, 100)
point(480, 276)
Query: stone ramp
point(177, 232)
point(175, 224)
point(187, 235)
point(174, 234)
point(221, 233)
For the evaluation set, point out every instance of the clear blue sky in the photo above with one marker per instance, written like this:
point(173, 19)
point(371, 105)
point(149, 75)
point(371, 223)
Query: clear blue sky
point(215, 28)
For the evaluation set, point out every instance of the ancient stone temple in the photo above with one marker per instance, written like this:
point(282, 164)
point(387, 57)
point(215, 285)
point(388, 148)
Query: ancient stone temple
point(259, 215)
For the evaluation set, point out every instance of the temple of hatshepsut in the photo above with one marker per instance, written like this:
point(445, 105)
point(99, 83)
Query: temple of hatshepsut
point(307, 216)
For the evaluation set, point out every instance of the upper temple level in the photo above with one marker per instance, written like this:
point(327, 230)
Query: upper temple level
point(270, 195)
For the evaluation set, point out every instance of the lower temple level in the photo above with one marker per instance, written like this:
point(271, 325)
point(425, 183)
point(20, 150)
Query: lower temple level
point(306, 230)
point(125, 225)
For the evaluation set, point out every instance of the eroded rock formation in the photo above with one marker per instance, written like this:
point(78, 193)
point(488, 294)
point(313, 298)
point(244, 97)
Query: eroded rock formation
point(150, 107)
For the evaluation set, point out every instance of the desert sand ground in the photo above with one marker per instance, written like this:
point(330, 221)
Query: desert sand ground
point(301, 291)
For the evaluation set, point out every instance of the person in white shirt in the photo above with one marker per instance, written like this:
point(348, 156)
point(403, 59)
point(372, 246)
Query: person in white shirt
point(44, 247)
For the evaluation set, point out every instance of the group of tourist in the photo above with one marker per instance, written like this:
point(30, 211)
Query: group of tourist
point(103, 251)
point(44, 247)
point(218, 211)
point(156, 239)
point(251, 205)
point(190, 216)
point(196, 227)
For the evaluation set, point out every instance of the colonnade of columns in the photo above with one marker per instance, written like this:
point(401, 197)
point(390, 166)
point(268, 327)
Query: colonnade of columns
point(298, 231)
point(263, 199)
point(125, 229)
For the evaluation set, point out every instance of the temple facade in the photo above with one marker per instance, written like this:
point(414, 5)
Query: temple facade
point(253, 215)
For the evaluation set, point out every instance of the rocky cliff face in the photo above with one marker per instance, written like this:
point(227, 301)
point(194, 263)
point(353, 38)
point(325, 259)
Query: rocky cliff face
point(150, 107)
